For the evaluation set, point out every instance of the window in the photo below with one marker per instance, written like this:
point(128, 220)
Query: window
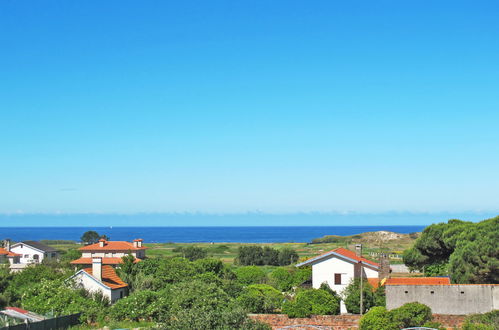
point(26, 255)
point(337, 279)
point(121, 294)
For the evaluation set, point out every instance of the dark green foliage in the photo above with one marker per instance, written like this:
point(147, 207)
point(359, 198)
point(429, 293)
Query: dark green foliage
point(313, 302)
point(411, 315)
point(380, 296)
point(192, 252)
point(140, 305)
point(408, 315)
point(378, 318)
point(91, 237)
point(468, 251)
point(352, 296)
point(287, 256)
point(486, 321)
point(285, 278)
point(254, 255)
point(260, 298)
point(250, 275)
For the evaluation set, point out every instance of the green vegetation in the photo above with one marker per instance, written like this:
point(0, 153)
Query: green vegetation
point(321, 301)
point(408, 315)
point(92, 237)
point(486, 321)
point(466, 251)
point(371, 297)
point(257, 255)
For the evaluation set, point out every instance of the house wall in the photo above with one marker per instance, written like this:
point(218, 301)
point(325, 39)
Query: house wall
point(118, 294)
point(324, 271)
point(28, 254)
point(455, 299)
point(110, 254)
point(83, 280)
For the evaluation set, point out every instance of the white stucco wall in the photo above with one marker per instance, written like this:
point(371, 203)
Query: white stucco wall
point(83, 280)
point(28, 254)
point(324, 271)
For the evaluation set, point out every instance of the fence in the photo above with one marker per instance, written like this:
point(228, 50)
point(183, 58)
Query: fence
point(61, 322)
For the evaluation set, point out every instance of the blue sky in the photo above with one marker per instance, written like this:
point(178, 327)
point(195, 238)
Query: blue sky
point(256, 106)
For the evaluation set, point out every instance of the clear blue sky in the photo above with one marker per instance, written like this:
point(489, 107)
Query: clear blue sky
point(237, 106)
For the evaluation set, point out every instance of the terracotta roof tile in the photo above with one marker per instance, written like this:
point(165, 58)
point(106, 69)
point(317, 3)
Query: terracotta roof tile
point(109, 277)
point(112, 245)
point(8, 253)
point(105, 261)
point(418, 281)
point(353, 255)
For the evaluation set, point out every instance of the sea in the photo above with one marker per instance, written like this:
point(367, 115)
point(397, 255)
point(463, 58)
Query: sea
point(215, 234)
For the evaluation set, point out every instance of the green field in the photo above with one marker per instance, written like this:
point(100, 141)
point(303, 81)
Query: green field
point(391, 243)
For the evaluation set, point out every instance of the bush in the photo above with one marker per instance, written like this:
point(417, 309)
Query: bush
point(136, 307)
point(254, 255)
point(313, 301)
point(284, 279)
point(260, 298)
point(378, 318)
point(192, 252)
point(352, 296)
point(486, 321)
point(250, 275)
point(411, 315)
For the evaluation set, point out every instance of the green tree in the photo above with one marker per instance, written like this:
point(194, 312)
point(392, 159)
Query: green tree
point(352, 296)
point(192, 252)
point(137, 306)
point(287, 256)
point(260, 298)
point(250, 275)
point(485, 321)
point(90, 237)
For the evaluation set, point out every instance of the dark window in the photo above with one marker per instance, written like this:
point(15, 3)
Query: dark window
point(462, 292)
point(337, 279)
point(432, 292)
point(404, 292)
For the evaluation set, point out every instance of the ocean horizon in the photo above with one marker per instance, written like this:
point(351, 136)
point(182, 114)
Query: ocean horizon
point(199, 234)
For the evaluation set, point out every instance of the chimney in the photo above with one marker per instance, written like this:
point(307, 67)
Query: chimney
point(7, 244)
point(358, 250)
point(97, 268)
point(102, 242)
point(384, 266)
point(137, 243)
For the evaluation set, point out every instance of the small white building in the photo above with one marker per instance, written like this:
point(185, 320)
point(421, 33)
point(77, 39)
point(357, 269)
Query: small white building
point(339, 267)
point(101, 278)
point(33, 252)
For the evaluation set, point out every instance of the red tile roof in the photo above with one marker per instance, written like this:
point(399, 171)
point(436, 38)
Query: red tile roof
point(112, 245)
point(105, 261)
point(374, 281)
point(8, 253)
point(17, 309)
point(109, 277)
point(353, 255)
point(418, 281)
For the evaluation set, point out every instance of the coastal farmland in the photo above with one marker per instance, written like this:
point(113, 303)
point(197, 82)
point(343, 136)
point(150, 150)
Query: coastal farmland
point(391, 243)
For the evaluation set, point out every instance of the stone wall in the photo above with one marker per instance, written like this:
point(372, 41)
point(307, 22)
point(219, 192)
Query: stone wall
point(457, 299)
point(337, 322)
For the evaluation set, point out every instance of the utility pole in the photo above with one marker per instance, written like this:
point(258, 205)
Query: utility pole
point(358, 247)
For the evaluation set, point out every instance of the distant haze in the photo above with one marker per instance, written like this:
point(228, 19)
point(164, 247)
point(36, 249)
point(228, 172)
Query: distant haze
point(247, 219)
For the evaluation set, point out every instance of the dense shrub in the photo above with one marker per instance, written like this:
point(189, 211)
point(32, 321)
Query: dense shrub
point(284, 279)
point(192, 252)
point(312, 302)
point(352, 296)
point(138, 306)
point(411, 315)
point(260, 298)
point(486, 321)
point(378, 318)
point(408, 315)
point(250, 275)
point(256, 255)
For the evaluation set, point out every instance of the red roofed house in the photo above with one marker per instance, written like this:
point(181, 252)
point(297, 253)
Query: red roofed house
point(7, 255)
point(111, 252)
point(339, 267)
point(101, 278)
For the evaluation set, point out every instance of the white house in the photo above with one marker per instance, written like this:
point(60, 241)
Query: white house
point(101, 278)
point(33, 252)
point(8, 256)
point(111, 252)
point(339, 267)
